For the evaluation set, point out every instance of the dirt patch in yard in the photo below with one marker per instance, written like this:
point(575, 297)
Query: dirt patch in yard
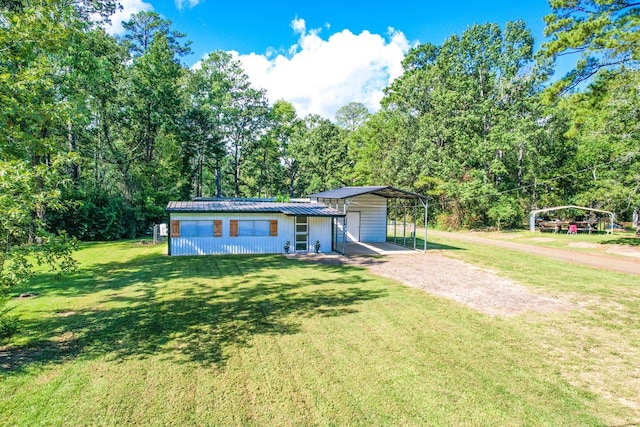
point(478, 288)
point(57, 348)
point(585, 245)
point(66, 313)
point(631, 251)
point(541, 239)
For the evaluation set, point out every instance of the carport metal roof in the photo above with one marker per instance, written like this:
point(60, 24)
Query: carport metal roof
point(383, 191)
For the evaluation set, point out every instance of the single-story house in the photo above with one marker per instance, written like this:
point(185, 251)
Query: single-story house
point(207, 227)
point(331, 218)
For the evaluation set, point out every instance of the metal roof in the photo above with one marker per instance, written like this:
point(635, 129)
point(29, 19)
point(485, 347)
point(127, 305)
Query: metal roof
point(557, 208)
point(383, 191)
point(235, 206)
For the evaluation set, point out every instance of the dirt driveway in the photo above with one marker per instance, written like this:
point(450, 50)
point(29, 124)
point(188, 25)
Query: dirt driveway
point(607, 262)
point(475, 287)
point(480, 289)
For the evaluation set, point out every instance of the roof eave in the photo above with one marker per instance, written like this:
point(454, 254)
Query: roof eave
point(375, 190)
point(196, 211)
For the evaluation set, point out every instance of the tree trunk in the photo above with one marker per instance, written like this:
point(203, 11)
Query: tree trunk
point(520, 167)
point(72, 148)
point(149, 137)
point(199, 176)
point(236, 170)
point(218, 179)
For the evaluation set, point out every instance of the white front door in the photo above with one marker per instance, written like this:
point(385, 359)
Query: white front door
point(353, 226)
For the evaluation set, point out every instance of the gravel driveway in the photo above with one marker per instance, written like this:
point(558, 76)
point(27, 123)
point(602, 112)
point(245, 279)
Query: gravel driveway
point(478, 288)
point(456, 280)
point(475, 287)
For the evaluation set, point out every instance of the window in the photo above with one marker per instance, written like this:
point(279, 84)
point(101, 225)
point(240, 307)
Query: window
point(175, 228)
point(254, 228)
point(217, 228)
point(302, 226)
point(196, 228)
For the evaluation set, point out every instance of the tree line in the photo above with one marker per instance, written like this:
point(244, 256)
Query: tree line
point(473, 123)
point(98, 132)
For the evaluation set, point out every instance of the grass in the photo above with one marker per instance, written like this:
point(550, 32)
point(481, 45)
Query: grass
point(597, 346)
point(138, 338)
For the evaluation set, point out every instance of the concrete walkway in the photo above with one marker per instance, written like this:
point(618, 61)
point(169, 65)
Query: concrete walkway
point(360, 248)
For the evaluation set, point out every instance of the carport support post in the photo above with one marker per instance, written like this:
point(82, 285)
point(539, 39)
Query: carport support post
point(404, 224)
point(611, 223)
point(415, 223)
point(426, 217)
point(532, 222)
point(344, 235)
point(345, 206)
point(395, 220)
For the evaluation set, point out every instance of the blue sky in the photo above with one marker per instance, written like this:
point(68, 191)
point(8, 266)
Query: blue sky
point(321, 55)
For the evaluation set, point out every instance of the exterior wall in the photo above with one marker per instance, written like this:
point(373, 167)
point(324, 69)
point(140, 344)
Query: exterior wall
point(373, 215)
point(353, 226)
point(319, 229)
point(231, 245)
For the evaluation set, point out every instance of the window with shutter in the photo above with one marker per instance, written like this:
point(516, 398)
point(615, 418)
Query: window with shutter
point(196, 228)
point(273, 227)
point(175, 228)
point(233, 228)
point(217, 228)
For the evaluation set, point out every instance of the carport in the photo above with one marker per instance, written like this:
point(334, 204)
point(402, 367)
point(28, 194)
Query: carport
point(372, 213)
point(534, 213)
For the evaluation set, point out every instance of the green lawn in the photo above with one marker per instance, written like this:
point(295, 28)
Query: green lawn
point(138, 338)
point(596, 346)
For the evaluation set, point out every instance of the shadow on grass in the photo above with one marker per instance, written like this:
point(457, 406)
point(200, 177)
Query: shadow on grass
point(431, 245)
point(627, 241)
point(159, 305)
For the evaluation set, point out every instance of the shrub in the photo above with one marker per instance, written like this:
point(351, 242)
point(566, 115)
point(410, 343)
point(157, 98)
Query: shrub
point(448, 221)
point(505, 213)
point(8, 324)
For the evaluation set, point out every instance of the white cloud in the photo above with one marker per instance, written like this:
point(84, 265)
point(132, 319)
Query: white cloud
point(181, 3)
point(299, 26)
point(129, 7)
point(319, 76)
